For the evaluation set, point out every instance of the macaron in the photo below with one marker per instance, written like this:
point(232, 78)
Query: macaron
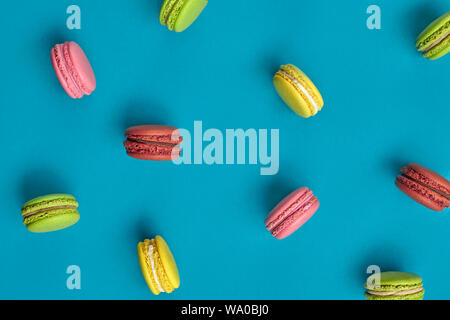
point(291, 213)
point(50, 213)
point(395, 285)
point(298, 91)
point(158, 265)
point(73, 69)
point(434, 41)
point(153, 142)
point(424, 186)
point(178, 15)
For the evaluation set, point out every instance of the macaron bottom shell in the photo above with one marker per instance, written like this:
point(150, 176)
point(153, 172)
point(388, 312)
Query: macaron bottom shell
point(414, 296)
point(54, 221)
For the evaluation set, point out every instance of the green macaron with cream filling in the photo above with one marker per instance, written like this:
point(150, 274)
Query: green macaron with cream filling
point(178, 15)
point(50, 213)
point(394, 285)
point(434, 41)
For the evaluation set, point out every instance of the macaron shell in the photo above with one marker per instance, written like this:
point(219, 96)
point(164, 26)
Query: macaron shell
point(189, 13)
point(82, 67)
point(289, 94)
point(49, 197)
point(432, 32)
point(54, 221)
point(151, 151)
point(159, 133)
point(414, 296)
point(165, 11)
point(168, 262)
point(144, 263)
point(393, 280)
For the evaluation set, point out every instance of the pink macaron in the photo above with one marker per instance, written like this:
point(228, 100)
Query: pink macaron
point(153, 142)
point(424, 186)
point(291, 213)
point(73, 69)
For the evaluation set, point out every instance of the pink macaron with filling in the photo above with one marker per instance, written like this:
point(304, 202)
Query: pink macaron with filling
point(153, 142)
point(73, 69)
point(424, 186)
point(291, 213)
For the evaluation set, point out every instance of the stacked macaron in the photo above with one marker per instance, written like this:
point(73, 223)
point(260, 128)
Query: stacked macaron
point(393, 285)
point(178, 15)
point(291, 213)
point(434, 41)
point(73, 69)
point(424, 186)
point(50, 213)
point(153, 142)
point(158, 265)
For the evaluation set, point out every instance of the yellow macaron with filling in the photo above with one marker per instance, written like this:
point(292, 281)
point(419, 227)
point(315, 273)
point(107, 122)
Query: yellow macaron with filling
point(298, 91)
point(158, 265)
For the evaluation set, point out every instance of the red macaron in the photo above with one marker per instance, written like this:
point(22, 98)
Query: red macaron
point(153, 142)
point(424, 186)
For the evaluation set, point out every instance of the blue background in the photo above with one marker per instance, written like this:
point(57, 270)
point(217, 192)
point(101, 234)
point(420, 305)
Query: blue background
point(385, 106)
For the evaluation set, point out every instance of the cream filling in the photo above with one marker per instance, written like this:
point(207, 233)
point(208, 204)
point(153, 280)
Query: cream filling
point(302, 89)
point(438, 41)
point(152, 263)
point(394, 293)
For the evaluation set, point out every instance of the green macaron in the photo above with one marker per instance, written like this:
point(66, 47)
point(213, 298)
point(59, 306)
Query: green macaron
point(50, 213)
point(178, 15)
point(395, 285)
point(434, 41)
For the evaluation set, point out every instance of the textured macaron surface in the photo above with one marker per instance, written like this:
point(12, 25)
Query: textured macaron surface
point(178, 15)
point(153, 142)
point(50, 213)
point(424, 186)
point(396, 285)
point(298, 91)
point(73, 69)
point(291, 213)
point(158, 265)
point(434, 41)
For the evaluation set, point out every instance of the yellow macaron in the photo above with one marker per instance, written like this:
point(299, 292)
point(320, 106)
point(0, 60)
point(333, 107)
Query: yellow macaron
point(158, 265)
point(298, 91)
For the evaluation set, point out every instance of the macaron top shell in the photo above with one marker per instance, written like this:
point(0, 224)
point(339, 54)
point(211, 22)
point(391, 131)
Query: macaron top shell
point(170, 267)
point(189, 13)
point(154, 133)
point(398, 281)
point(51, 200)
